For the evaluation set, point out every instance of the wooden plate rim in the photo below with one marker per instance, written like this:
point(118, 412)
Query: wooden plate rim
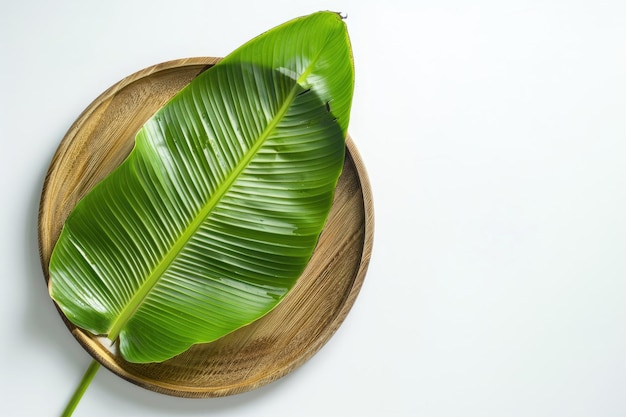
point(95, 349)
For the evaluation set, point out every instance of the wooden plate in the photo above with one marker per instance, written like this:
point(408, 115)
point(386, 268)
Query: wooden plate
point(256, 354)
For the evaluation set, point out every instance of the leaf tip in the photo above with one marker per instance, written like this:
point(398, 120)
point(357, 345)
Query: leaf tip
point(341, 15)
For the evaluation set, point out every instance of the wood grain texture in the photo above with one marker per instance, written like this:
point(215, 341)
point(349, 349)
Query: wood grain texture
point(268, 348)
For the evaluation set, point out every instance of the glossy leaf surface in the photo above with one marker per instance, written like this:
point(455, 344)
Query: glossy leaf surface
point(217, 210)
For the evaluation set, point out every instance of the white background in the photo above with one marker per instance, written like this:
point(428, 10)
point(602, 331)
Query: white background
point(494, 134)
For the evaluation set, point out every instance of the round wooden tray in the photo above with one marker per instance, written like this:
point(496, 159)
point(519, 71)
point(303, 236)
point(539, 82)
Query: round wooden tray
point(268, 348)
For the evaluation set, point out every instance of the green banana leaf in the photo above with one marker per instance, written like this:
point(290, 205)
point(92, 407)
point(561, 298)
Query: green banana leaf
point(215, 213)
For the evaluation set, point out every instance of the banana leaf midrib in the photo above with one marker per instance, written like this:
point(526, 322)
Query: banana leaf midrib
point(142, 292)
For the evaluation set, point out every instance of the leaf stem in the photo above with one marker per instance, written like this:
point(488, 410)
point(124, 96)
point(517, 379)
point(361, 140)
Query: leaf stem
point(82, 387)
